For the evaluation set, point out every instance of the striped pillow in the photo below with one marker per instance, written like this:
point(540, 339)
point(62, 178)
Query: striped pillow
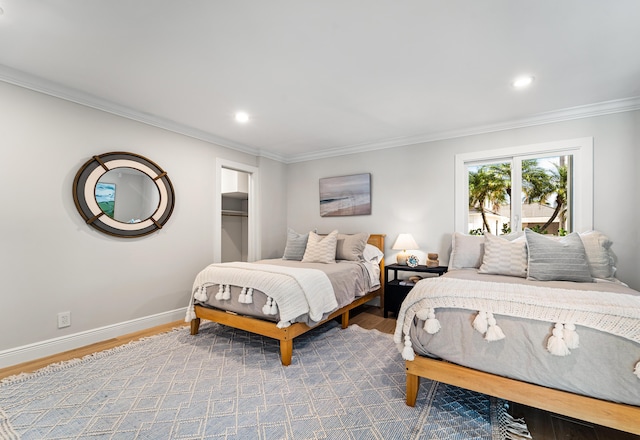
point(599, 255)
point(321, 249)
point(504, 257)
point(296, 245)
point(557, 260)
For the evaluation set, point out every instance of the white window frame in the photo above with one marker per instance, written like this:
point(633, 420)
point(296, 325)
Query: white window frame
point(582, 151)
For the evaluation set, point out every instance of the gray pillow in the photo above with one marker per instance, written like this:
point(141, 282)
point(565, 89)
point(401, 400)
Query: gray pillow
point(296, 245)
point(351, 247)
point(562, 260)
point(466, 251)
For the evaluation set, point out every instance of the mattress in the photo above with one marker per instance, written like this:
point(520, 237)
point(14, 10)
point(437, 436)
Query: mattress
point(349, 279)
point(602, 366)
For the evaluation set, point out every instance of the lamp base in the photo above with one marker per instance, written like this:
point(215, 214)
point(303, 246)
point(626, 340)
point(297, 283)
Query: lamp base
point(401, 258)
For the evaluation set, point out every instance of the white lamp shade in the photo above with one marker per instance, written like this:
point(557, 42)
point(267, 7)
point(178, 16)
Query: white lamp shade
point(404, 242)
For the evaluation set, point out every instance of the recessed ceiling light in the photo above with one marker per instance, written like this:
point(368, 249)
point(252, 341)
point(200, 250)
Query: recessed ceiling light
point(242, 117)
point(522, 82)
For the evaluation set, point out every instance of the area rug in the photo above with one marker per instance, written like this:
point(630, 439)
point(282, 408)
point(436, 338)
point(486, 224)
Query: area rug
point(229, 384)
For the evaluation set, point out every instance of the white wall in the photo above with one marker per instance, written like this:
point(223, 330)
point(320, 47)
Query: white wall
point(412, 187)
point(51, 261)
point(273, 207)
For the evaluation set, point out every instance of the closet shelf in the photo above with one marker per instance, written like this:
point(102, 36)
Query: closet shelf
point(235, 213)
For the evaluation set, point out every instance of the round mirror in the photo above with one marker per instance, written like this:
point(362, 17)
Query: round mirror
point(123, 194)
point(127, 195)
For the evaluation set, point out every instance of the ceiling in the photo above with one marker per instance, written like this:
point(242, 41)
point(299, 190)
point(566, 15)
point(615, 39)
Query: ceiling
point(331, 77)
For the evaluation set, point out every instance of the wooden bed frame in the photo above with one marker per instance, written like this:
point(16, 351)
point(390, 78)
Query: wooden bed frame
point(286, 335)
point(614, 415)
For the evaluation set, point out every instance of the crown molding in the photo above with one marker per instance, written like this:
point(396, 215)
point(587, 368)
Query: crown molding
point(28, 81)
point(578, 112)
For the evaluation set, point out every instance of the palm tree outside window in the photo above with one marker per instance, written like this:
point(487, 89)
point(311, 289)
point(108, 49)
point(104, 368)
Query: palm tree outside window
point(525, 187)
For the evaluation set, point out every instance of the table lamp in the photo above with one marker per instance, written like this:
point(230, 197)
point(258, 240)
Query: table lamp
point(404, 242)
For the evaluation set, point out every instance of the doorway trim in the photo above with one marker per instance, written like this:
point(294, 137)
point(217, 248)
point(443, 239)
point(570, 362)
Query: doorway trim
point(253, 233)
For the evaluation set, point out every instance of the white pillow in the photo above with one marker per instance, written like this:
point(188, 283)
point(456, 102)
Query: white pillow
point(504, 257)
point(321, 249)
point(372, 254)
point(466, 251)
point(601, 260)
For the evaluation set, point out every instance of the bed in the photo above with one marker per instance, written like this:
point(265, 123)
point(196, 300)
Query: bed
point(534, 320)
point(261, 297)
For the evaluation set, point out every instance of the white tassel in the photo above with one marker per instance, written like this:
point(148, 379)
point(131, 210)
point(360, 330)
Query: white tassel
point(274, 307)
point(242, 299)
point(249, 297)
point(494, 333)
point(201, 294)
point(556, 344)
point(267, 307)
point(432, 325)
point(423, 314)
point(636, 371)
point(480, 322)
point(571, 337)
point(220, 292)
point(407, 351)
point(516, 429)
point(283, 324)
point(191, 314)
point(227, 292)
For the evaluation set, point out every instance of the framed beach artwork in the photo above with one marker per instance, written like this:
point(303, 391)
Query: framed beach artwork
point(345, 195)
point(106, 197)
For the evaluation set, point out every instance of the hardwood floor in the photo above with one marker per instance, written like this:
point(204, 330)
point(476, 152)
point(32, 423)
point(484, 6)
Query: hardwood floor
point(542, 425)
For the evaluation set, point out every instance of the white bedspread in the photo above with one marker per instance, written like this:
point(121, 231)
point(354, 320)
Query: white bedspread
point(296, 290)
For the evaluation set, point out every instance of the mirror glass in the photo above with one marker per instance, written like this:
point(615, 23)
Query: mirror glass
point(127, 195)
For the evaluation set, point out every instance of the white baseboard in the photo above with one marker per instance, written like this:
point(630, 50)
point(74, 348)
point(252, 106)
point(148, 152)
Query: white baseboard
point(25, 353)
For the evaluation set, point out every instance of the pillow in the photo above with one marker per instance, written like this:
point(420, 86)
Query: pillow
point(466, 251)
point(350, 247)
point(321, 249)
point(296, 245)
point(561, 259)
point(504, 257)
point(372, 254)
point(601, 260)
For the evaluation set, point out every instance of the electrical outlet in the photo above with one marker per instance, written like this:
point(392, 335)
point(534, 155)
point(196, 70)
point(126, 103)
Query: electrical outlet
point(64, 319)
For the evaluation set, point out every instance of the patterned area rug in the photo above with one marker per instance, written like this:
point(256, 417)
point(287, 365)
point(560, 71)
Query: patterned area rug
point(229, 384)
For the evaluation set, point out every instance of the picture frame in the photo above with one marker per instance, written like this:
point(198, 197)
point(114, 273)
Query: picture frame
point(345, 195)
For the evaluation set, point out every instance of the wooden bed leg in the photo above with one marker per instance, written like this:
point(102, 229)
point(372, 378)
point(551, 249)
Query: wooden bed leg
point(286, 351)
point(413, 383)
point(195, 325)
point(345, 319)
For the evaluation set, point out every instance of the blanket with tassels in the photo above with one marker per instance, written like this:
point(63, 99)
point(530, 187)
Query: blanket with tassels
point(615, 313)
point(292, 291)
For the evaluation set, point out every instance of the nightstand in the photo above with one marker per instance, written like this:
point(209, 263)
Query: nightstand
point(394, 292)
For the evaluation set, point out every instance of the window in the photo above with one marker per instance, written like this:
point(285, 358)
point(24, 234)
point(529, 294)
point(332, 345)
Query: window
point(546, 187)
